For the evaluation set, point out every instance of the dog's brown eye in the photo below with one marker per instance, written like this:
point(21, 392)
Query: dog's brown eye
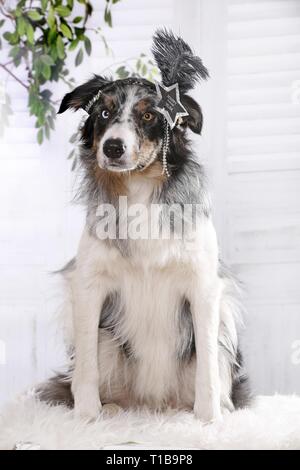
point(105, 114)
point(148, 116)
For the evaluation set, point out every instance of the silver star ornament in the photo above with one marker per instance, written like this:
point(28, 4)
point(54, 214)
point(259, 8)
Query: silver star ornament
point(169, 103)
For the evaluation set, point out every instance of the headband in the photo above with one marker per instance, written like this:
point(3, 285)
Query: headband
point(169, 104)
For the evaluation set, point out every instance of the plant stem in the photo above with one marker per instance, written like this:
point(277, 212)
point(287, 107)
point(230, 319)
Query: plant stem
point(4, 12)
point(9, 62)
point(14, 76)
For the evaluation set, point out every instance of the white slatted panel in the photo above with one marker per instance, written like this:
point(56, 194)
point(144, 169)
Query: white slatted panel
point(39, 230)
point(263, 181)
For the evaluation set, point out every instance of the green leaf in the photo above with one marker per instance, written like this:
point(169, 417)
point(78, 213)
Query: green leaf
point(73, 44)
point(66, 31)
point(122, 72)
point(47, 131)
point(34, 15)
point(79, 57)
point(144, 69)
point(79, 32)
point(60, 47)
point(63, 11)
point(107, 17)
point(88, 8)
point(14, 52)
point(46, 71)
point(21, 25)
point(30, 33)
point(51, 36)
point(77, 19)
point(53, 52)
point(41, 117)
point(87, 45)
point(17, 61)
point(40, 136)
point(51, 122)
point(46, 94)
point(12, 38)
point(44, 4)
point(2, 23)
point(18, 12)
point(46, 59)
point(51, 18)
point(7, 35)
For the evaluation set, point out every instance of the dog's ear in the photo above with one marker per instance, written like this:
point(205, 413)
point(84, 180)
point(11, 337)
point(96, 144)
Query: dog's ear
point(80, 96)
point(195, 118)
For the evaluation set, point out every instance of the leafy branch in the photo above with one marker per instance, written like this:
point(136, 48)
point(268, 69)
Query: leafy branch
point(39, 37)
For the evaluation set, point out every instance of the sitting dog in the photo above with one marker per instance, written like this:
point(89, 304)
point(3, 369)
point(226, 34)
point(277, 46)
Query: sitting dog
point(153, 317)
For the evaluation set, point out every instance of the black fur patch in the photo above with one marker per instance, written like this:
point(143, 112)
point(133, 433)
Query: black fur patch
point(186, 349)
point(241, 394)
point(176, 61)
point(57, 391)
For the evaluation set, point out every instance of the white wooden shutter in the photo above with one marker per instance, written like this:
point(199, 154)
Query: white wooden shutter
point(263, 181)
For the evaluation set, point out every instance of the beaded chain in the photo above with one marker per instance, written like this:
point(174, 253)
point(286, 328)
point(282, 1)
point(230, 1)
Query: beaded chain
point(165, 148)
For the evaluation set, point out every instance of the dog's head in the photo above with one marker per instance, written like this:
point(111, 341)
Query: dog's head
point(125, 129)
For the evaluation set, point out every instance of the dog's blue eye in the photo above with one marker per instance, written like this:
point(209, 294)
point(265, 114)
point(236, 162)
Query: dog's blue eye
point(105, 114)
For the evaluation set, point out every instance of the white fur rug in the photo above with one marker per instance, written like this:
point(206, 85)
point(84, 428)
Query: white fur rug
point(272, 423)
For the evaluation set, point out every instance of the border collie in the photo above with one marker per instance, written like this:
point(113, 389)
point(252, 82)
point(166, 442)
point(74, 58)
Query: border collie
point(153, 318)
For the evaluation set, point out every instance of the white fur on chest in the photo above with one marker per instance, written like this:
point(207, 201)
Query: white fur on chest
point(152, 282)
point(151, 302)
point(151, 285)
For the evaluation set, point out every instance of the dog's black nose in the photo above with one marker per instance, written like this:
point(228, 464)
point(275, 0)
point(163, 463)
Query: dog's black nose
point(113, 148)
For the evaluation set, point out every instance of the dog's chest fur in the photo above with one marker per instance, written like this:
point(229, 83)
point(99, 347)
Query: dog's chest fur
point(146, 310)
point(150, 302)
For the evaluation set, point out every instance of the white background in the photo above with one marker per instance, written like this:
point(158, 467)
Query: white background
point(250, 145)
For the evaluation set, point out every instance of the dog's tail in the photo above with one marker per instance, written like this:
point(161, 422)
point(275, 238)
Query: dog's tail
point(56, 391)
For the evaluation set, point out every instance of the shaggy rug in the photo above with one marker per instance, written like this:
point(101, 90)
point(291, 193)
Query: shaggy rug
point(273, 422)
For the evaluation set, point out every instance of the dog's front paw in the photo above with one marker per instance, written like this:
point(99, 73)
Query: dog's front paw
point(87, 404)
point(208, 414)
